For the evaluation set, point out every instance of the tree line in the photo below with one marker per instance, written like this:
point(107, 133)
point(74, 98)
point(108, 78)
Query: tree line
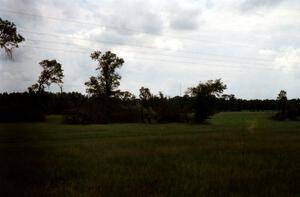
point(106, 103)
point(73, 106)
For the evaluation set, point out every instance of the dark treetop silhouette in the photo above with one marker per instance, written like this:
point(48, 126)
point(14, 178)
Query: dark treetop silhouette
point(288, 109)
point(108, 80)
point(206, 95)
point(9, 38)
point(52, 73)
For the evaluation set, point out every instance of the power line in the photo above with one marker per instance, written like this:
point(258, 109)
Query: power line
point(159, 60)
point(118, 43)
point(89, 40)
point(124, 29)
point(128, 29)
point(144, 53)
point(56, 49)
point(142, 46)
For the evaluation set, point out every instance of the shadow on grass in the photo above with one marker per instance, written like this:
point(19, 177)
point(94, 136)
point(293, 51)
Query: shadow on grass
point(22, 161)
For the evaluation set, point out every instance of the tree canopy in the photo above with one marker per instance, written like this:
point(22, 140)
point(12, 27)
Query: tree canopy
point(9, 38)
point(145, 94)
point(211, 87)
point(52, 73)
point(108, 80)
point(205, 95)
point(282, 95)
point(282, 101)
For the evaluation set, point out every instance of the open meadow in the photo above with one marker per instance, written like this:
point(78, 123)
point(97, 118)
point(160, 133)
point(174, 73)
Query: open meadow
point(234, 154)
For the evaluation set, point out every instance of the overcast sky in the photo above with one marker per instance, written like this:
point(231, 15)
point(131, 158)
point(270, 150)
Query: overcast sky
point(167, 45)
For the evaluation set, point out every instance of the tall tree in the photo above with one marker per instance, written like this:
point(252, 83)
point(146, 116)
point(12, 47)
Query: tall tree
point(145, 94)
point(108, 80)
point(125, 96)
point(9, 38)
point(205, 95)
point(288, 109)
point(282, 100)
point(52, 73)
point(146, 108)
point(284, 111)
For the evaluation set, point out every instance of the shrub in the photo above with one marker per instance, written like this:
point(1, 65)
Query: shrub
point(101, 110)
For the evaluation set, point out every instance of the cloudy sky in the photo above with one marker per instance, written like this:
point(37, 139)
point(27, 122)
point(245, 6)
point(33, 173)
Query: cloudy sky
point(167, 45)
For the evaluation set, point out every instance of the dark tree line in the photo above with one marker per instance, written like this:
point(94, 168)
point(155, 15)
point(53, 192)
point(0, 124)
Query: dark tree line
point(158, 108)
point(288, 109)
point(106, 103)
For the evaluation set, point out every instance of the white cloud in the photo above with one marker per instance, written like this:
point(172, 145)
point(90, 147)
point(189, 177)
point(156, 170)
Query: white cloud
point(267, 52)
point(288, 58)
point(247, 43)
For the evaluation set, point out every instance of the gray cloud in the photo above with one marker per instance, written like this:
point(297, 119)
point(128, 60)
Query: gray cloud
point(185, 20)
point(129, 17)
point(232, 35)
point(185, 16)
point(248, 5)
point(21, 5)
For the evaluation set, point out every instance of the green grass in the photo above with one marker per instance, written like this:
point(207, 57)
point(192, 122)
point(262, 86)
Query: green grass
point(236, 154)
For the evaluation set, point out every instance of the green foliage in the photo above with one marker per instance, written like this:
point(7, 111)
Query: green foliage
point(107, 103)
point(21, 107)
point(205, 95)
point(209, 88)
point(103, 110)
point(108, 80)
point(52, 73)
point(146, 98)
point(289, 109)
point(125, 96)
point(9, 38)
point(282, 100)
point(161, 109)
point(145, 94)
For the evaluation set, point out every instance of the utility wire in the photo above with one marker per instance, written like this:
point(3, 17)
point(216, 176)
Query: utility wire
point(123, 28)
point(140, 46)
point(144, 53)
point(160, 60)
point(113, 42)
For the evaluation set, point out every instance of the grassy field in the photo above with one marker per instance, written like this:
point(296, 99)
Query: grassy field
point(236, 154)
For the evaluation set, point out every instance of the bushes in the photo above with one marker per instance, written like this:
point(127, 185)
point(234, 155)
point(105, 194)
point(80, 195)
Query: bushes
point(103, 110)
point(20, 114)
point(21, 107)
point(290, 111)
point(25, 107)
point(167, 112)
point(204, 107)
point(112, 110)
point(205, 96)
point(79, 109)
